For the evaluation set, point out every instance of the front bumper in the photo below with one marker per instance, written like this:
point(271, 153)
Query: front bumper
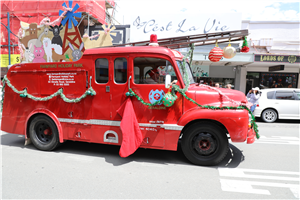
point(251, 136)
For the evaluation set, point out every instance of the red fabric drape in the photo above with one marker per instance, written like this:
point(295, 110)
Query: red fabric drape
point(132, 135)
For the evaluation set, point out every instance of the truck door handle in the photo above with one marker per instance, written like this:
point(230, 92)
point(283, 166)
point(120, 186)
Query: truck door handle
point(129, 82)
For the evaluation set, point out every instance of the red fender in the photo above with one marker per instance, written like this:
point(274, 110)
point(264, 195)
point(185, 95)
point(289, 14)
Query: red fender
point(235, 121)
point(52, 116)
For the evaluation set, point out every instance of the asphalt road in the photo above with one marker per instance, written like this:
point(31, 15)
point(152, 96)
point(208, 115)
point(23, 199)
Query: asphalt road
point(267, 169)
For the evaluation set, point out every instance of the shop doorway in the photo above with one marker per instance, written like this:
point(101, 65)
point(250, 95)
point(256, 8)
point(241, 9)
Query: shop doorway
point(249, 85)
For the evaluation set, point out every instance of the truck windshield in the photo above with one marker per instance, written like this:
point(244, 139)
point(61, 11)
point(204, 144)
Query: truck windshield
point(187, 69)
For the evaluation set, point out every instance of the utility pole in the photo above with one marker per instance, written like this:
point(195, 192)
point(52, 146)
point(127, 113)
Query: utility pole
point(8, 31)
point(9, 45)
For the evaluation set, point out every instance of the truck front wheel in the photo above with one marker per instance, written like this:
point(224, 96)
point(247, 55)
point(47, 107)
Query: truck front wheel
point(43, 133)
point(204, 144)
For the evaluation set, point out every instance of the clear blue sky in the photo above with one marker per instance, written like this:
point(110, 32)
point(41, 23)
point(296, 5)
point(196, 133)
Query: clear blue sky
point(256, 10)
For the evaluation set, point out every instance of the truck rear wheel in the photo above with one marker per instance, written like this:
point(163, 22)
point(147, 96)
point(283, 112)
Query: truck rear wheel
point(204, 144)
point(43, 133)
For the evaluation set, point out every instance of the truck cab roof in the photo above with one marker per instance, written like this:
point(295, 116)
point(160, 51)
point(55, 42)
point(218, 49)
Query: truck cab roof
point(134, 49)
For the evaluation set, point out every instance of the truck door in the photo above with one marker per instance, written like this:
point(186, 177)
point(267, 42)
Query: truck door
point(102, 86)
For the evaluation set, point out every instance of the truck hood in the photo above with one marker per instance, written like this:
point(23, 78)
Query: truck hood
point(217, 96)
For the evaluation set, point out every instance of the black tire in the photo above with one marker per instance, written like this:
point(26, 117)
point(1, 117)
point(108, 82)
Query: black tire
point(43, 133)
point(204, 144)
point(269, 115)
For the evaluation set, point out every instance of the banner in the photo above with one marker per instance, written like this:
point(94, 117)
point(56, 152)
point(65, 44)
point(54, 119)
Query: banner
point(172, 25)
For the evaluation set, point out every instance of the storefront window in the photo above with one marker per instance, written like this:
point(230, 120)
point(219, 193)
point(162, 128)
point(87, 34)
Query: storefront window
point(271, 80)
point(221, 81)
point(278, 80)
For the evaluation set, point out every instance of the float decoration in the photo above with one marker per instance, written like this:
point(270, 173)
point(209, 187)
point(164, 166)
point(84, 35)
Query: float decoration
point(63, 41)
point(70, 15)
point(169, 99)
point(55, 41)
point(245, 47)
point(104, 38)
point(216, 54)
point(229, 51)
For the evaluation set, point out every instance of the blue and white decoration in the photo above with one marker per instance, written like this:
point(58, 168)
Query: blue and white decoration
point(156, 96)
point(70, 15)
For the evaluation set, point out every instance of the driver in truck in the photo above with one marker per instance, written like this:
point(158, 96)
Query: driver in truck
point(152, 76)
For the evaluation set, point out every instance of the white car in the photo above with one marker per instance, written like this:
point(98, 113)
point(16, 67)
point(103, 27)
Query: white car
point(278, 103)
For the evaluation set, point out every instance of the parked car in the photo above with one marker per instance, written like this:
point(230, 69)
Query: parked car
point(278, 103)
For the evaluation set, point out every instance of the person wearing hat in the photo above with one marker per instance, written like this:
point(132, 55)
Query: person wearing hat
point(152, 76)
point(253, 97)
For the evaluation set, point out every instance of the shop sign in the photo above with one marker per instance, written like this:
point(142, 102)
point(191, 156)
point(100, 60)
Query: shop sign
point(276, 68)
point(14, 58)
point(174, 25)
point(277, 58)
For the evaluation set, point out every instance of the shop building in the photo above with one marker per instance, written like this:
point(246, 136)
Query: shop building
point(275, 46)
point(225, 71)
point(273, 59)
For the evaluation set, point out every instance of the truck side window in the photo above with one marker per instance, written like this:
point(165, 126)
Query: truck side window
point(148, 70)
point(120, 70)
point(101, 70)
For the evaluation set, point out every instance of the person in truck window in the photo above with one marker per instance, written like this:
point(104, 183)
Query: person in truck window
point(152, 76)
point(253, 97)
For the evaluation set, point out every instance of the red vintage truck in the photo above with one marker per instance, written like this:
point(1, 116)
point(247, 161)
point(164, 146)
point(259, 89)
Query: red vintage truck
point(54, 102)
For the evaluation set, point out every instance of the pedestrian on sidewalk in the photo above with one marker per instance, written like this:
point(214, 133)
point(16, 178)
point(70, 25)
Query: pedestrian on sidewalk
point(253, 97)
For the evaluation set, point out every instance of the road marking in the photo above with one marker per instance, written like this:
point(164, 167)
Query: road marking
point(278, 140)
point(241, 174)
point(244, 186)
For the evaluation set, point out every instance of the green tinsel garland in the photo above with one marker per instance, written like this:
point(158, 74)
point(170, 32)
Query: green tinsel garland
point(185, 75)
point(90, 91)
point(2, 99)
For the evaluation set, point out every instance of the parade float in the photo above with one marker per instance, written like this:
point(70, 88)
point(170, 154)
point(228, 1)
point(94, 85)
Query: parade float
point(139, 95)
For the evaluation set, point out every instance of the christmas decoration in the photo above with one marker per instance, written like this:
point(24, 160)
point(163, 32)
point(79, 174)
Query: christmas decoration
point(245, 47)
point(229, 51)
point(132, 136)
point(215, 54)
point(90, 91)
point(169, 99)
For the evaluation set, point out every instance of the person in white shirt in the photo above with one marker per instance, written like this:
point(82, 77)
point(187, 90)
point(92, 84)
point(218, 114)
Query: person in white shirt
point(253, 97)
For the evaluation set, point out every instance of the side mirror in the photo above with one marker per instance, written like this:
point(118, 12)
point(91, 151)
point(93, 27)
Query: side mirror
point(168, 81)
